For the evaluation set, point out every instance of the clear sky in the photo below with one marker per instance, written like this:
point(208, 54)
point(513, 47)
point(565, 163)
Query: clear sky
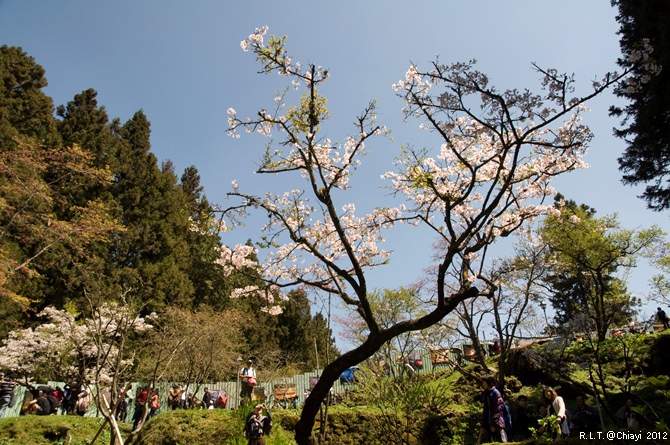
point(182, 64)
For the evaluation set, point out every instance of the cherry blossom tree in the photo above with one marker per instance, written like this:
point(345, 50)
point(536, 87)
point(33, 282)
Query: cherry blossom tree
point(89, 350)
point(495, 155)
point(66, 349)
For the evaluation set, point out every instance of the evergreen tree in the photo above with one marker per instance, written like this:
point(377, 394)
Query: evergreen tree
point(24, 109)
point(209, 281)
point(152, 253)
point(320, 331)
point(646, 119)
point(87, 125)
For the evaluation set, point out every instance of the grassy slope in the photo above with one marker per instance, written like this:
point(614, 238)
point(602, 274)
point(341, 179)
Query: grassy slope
point(37, 430)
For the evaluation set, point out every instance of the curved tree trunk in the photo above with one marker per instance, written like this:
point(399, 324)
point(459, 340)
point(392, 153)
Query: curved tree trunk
point(303, 429)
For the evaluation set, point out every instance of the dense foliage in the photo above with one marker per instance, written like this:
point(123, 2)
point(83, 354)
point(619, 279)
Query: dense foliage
point(90, 217)
point(645, 45)
point(585, 255)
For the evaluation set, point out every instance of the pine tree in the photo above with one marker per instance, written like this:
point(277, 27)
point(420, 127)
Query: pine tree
point(87, 125)
point(646, 118)
point(24, 109)
point(304, 338)
point(152, 253)
point(209, 281)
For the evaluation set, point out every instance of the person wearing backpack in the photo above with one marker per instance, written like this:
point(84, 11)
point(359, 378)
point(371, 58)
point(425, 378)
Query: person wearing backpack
point(83, 400)
point(493, 414)
point(257, 426)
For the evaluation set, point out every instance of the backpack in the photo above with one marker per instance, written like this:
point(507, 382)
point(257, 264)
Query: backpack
point(54, 402)
point(508, 417)
point(347, 376)
point(252, 428)
point(506, 414)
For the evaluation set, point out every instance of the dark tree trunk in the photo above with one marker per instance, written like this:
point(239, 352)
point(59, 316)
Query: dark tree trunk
point(303, 429)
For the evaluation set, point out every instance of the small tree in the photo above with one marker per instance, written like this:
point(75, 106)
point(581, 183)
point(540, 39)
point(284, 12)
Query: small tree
point(498, 151)
point(588, 252)
point(519, 286)
point(660, 283)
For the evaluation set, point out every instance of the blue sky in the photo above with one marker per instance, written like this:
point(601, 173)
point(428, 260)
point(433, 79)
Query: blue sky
point(182, 64)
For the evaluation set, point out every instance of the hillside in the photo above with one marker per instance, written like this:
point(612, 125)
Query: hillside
point(433, 408)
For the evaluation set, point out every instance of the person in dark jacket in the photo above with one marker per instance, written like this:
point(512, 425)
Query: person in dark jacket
point(522, 419)
point(207, 399)
point(584, 418)
point(493, 421)
point(663, 318)
point(257, 425)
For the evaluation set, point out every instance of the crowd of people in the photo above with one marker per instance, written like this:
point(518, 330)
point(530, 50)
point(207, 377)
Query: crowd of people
point(519, 423)
point(45, 400)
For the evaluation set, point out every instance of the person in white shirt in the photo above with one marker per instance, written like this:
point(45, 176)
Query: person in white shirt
point(247, 389)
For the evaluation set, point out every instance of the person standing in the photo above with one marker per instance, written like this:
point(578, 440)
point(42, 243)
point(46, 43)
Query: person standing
point(207, 399)
point(140, 407)
point(154, 404)
point(174, 395)
point(83, 400)
point(631, 417)
point(246, 389)
point(521, 419)
point(493, 421)
point(556, 405)
point(184, 396)
point(67, 404)
point(663, 318)
point(257, 426)
point(122, 409)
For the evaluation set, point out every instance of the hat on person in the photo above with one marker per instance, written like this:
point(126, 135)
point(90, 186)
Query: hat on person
point(250, 361)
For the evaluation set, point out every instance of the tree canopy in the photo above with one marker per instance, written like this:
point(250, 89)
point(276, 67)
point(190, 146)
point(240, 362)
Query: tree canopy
point(89, 214)
point(645, 45)
point(586, 253)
